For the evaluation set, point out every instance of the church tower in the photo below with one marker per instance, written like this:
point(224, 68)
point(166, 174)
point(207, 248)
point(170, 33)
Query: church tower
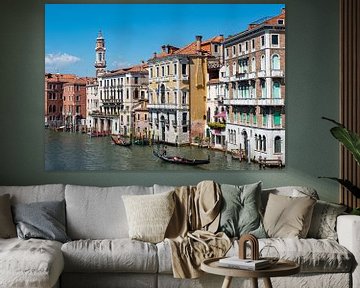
point(100, 63)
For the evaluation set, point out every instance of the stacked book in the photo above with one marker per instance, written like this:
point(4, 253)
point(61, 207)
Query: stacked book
point(248, 264)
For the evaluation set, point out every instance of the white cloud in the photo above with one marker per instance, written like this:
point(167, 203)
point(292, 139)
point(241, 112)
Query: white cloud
point(60, 59)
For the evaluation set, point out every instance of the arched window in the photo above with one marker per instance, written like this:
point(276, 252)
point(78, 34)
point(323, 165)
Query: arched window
point(253, 65)
point(162, 93)
point(136, 93)
point(277, 144)
point(264, 144)
point(256, 142)
point(50, 109)
point(54, 109)
point(262, 64)
point(275, 62)
point(263, 89)
point(276, 90)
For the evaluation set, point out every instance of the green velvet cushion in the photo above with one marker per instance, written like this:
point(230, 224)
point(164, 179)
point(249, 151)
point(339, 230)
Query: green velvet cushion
point(240, 213)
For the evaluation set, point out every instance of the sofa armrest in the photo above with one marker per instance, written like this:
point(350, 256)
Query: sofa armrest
point(348, 230)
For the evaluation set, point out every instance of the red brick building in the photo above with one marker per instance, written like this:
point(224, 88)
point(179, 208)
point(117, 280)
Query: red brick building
point(74, 96)
point(54, 98)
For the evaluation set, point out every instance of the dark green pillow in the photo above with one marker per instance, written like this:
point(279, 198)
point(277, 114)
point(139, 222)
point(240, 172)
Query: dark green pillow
point(240, 213)
point(43, 220)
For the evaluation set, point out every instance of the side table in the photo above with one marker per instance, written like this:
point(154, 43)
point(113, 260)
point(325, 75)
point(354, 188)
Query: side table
point(281, 268)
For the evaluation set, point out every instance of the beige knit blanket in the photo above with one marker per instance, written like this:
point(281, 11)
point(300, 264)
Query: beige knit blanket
point(191, 231)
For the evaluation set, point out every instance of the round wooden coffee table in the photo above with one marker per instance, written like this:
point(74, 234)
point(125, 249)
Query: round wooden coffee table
point(281, 268)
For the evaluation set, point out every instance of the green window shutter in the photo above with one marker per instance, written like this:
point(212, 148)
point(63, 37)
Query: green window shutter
point(277, 119)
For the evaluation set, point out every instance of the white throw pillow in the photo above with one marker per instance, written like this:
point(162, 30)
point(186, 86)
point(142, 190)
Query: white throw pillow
point(149, 215)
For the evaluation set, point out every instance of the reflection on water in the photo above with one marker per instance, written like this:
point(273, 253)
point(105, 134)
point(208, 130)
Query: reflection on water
point(75, 151)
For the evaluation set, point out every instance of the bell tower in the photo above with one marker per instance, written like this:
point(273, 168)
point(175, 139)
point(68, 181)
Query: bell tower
point(100, 63)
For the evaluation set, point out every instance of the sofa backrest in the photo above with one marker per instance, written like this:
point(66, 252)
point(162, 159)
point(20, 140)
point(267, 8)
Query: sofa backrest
point(98, 212)
point(35, 193)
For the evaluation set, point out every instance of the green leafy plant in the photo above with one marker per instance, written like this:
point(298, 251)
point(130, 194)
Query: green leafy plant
point(216, 125)
point(351, 141)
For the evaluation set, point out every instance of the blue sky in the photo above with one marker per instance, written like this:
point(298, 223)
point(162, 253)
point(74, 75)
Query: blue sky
point(133, 32)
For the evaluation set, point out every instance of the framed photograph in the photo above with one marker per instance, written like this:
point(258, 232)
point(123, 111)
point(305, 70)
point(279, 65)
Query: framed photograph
point(164, 87)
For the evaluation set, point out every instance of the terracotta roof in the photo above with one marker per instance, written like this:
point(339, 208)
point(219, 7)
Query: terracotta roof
point(57, 77)
point(190, 49)
point(270, 21)
point(132, 69)
point(76, 81)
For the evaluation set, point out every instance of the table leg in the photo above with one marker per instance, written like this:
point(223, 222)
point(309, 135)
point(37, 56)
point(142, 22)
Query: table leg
point(254, 282)
point(267, 283)
point(227, 282)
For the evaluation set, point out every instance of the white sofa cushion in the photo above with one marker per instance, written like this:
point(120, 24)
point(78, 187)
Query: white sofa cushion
point(313, 255)
point(35, 193)
point(30, 263)
point(109, 280)
point(116, 255)
point(98, 213)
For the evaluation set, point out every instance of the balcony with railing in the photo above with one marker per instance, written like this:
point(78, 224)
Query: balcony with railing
point(184, 77)
point(111, 102)
point(277, 73)
point(241, 101)
point(261, 74)
point(271, 102)
point(214, 63)
point(168, 106)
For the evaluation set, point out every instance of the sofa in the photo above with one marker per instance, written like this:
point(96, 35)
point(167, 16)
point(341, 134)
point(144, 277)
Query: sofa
point(97, 250)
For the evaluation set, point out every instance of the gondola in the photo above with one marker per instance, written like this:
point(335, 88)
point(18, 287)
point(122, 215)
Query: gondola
point(181, 160)
point(120, 142)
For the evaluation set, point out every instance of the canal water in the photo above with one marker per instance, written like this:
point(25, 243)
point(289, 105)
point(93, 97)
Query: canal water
point(66, 151)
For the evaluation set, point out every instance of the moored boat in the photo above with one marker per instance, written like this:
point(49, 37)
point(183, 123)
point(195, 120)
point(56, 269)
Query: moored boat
point(181, 160)
point(119, 141)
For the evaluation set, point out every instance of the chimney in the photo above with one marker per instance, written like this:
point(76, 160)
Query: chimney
point(154, 55)
point(163, 48)
point(198, 43)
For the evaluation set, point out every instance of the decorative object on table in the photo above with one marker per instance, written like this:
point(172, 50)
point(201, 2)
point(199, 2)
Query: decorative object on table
point(241, 261)
point(269, 253)
point(254, 246)
point(247, 264)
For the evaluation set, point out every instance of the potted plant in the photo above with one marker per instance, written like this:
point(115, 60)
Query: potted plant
point(351, 141)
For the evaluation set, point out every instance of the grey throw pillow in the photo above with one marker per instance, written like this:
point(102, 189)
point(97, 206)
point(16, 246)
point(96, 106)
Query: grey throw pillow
point(323, 222)
point(7, 226)
point(240, 213)
point(44, 220)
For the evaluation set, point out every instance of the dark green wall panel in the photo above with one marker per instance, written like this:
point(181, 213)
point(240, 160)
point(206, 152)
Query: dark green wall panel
point(312, 88)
